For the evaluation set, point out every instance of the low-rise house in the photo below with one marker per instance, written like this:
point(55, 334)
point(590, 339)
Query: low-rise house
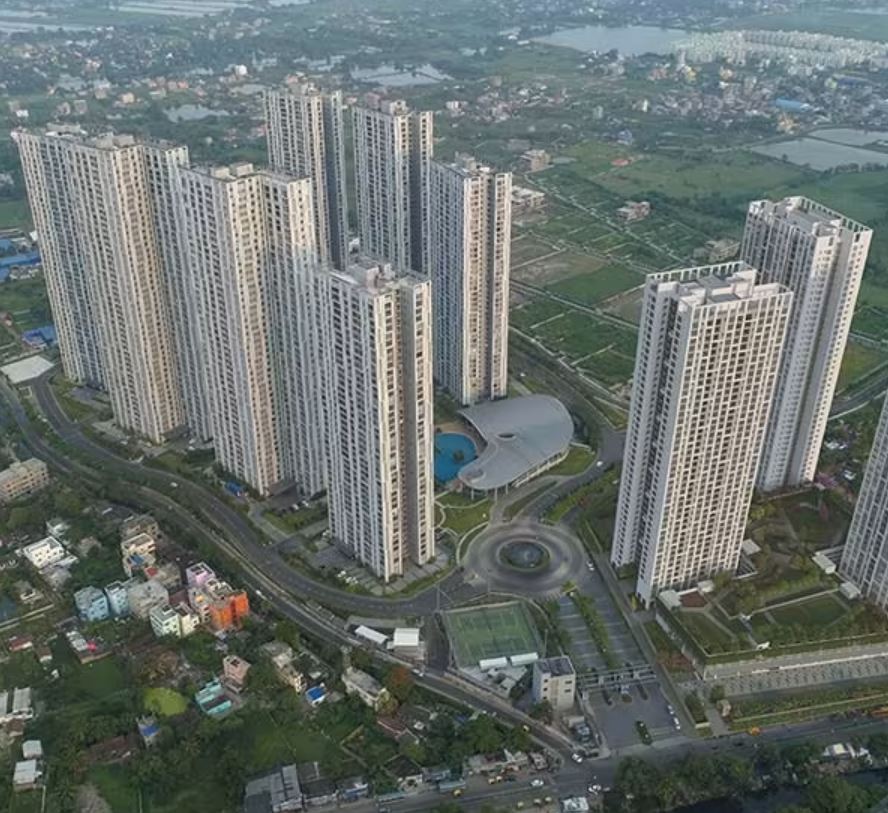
point(58, 528)
point(234, 672)
point(139, 524)
point(32, 749)
point(317, 790)
point(366, 687)
point(197, 575)
point(138, 553)
point(353, 789)
point(149, 730)
point(497, 762)
point(145, 596)
point(555, 682)
point(92, 604)
point(27, 775)
point(27, 593)
point(118, 598)
point(164, 621)
point(275, 792)
point(316, 695)
point(407, 773)
point(48, 551)
point(634, 210)
point(212, 699)
point(22, 478)
point(16, 705)
point(20, 643)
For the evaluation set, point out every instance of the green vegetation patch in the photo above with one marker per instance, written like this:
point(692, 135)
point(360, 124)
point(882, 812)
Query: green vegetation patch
point(578, 459)
point(591, 288)
point(492, 631)
point(816, 611)
point(860, 360)
point(165, 702)
point(462, 513)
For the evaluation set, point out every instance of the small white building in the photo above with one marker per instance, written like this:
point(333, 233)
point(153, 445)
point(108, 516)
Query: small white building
point(555, 681)
point(145, 596)
point(366, 687)
point(46, 552)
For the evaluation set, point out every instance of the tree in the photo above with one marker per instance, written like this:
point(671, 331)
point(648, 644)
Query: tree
point(831, 794)
point(542, 711)
point(399, 681)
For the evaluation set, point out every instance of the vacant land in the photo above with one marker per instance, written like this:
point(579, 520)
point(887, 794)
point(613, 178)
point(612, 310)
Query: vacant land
point(591, 288)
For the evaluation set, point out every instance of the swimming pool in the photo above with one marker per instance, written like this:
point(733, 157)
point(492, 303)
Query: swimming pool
point(452, 452)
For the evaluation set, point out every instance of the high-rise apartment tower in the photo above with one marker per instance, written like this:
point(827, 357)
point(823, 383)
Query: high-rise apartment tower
point(305, 140)
point(865, 557)
point(378, 340)
point(250, 245)
point(820, 256)
point(100, 206)
point(471, 220)
point(393, 148)
point(705, 370)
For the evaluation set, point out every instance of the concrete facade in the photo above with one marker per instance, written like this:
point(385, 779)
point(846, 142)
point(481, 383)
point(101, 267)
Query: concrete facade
point(819, 255)
point(470, 243)
point(705, 372)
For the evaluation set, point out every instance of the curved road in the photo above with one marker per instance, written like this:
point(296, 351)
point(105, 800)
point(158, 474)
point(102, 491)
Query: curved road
point(235, 526)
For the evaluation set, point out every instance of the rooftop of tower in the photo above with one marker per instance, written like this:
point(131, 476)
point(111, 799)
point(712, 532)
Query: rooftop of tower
point(808, 214)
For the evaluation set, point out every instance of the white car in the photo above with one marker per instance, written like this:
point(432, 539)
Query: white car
point(537, 783)
point(578, 758)
point(591, 566)
point(593, 789)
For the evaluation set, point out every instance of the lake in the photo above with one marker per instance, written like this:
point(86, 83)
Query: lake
point(629, 40)
point(390, 76)
point(821, 155)
point(192, 112)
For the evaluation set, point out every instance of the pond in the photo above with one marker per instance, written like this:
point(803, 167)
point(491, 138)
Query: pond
point(391, 76)
point(629, 40)
point(821, 155)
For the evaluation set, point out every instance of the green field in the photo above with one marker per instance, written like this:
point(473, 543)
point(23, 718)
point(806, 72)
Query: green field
point(871, 321)
point(818, 611)
point(26, 300)
point(710, 636)
point(533, 311)
point(14, 214)
point(589, 289)
point(493, 631)
point(165, 702)
point(858, 362)
point(578, 459)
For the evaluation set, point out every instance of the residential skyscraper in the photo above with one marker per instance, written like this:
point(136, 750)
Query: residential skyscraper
point(112, 190)
point(305, 139)
point(705, 371)
point(393, 147)
point(471, 223)
point(820, 256)
point(54, 209)
point(250, 246)
point(378, 340)
point(865, 557)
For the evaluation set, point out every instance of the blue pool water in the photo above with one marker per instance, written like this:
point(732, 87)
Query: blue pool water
point(452, 452)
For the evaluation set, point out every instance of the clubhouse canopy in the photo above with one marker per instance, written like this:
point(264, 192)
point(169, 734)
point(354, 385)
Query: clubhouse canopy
point(523, 436)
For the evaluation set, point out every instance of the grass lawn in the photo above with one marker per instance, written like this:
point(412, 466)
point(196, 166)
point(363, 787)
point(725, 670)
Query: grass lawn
point(591, 288)
point(116, 787)
point(97, 680)
point(578, 459)
point(858, 362)
point(872, 321)
point(14, 214)
point(26, 301)
point(27, 802)
point(165, 702)
point(817, 611)
point(710, 636)
point(460, 518)
point(533, 311)
point(816, 524)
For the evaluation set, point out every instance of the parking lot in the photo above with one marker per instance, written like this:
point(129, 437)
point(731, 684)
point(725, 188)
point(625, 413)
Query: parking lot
point(617, 715)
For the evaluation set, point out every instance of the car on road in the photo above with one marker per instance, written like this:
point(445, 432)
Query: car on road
point(593, 789)
point(537, 783)
point(591, 566)
point(599, 464)
point(578, 758)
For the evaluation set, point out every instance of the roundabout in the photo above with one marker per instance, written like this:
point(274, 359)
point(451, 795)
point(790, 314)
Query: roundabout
point(527, 558)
